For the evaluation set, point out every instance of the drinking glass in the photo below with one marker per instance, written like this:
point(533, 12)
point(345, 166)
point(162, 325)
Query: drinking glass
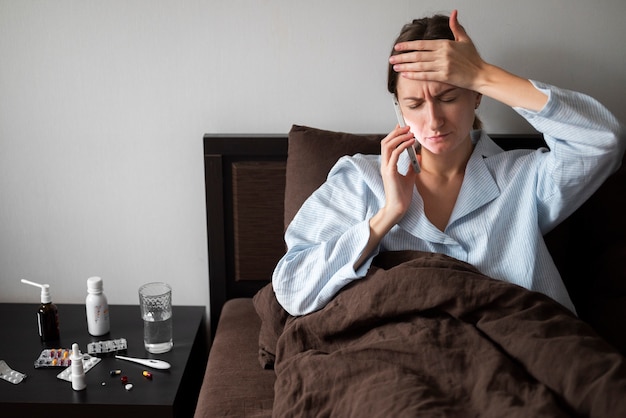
point(155, 301)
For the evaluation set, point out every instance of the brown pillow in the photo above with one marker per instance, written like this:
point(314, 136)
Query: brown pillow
point(312, 153)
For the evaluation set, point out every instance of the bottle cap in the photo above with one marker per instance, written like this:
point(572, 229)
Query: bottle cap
point(94, 285)
point(45, 290)
point(45, 294)
point(75, 352)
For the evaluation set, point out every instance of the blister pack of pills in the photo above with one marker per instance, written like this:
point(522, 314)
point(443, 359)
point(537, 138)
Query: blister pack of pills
point(88, 363)
point(54, 357)
point(10, 375)
point(109, 346)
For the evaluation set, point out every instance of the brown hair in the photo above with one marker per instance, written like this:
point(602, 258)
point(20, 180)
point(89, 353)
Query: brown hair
point(427, 28)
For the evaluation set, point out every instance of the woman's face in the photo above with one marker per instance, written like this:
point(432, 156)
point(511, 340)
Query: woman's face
point(440, 115)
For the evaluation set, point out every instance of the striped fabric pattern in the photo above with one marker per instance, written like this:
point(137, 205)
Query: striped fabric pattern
point(507, 202)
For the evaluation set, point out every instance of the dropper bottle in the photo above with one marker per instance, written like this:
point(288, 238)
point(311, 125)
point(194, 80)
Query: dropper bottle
point(47, 314)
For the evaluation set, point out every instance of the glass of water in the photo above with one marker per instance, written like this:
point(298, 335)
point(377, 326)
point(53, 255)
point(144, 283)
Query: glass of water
point(155, 301)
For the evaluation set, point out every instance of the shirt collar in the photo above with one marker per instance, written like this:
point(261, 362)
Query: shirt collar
point(479, 187)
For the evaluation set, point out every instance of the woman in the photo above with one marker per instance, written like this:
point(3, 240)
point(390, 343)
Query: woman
point(471, 200)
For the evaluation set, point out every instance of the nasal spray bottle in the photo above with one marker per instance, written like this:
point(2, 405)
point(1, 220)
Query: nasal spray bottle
point(47, 314)
point(78, 369)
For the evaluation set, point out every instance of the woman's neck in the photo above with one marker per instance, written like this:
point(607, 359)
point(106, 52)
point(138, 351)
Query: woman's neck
point(448, 165)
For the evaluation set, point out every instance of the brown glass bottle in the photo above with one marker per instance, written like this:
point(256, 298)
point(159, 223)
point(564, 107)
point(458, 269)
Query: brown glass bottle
point(48, 321)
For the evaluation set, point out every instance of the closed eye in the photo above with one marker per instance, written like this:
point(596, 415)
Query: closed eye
point(447, 98)
point(415, 105)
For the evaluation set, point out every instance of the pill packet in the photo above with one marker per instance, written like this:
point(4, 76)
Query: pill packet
point(108, 346)
point(10, 375)
point(88, 363)
point(54, 357)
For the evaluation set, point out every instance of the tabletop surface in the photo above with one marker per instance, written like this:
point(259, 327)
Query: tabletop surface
point(21, 346)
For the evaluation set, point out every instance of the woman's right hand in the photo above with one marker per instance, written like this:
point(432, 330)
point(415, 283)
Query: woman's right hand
point(398, 187)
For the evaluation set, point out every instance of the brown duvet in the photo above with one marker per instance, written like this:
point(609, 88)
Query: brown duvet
point(427, 335)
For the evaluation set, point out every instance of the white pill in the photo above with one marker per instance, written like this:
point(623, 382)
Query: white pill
point(128, 386)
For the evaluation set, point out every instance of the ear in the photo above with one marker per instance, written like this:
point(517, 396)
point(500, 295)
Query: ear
point(479, 97)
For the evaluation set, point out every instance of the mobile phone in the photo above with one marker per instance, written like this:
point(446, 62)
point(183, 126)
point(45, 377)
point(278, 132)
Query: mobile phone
point(410, 150)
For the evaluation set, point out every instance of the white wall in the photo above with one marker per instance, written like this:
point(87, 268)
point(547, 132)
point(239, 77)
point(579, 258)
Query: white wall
point(103, 105)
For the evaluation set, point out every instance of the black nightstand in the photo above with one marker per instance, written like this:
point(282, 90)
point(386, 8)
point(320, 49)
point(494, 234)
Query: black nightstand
point(170, 393)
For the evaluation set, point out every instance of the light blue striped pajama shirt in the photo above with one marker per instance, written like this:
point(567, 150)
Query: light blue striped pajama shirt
point(507, 202)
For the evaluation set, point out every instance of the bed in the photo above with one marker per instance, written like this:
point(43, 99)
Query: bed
point(520, 354)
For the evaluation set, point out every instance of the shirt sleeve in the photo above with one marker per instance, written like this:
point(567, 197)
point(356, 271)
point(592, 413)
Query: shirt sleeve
point(325, 240)
point(586, 146)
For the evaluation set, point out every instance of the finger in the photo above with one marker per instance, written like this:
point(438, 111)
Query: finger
point(417, 73)
point(418, 67)
point(414, 57)
point(397, 131)
point(407, 141)
point(418, 45)
point(389, 162)
point(424, 75)
point(396, 137)
point(457, 30)
point(395, 140)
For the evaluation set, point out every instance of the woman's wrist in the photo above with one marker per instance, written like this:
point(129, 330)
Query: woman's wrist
point(381, 223)
point(510, 89)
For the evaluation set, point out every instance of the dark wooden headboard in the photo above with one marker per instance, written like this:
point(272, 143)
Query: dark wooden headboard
point(245, 182)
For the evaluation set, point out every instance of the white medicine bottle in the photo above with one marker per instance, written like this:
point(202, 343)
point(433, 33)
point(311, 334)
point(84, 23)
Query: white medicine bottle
point(97, 308)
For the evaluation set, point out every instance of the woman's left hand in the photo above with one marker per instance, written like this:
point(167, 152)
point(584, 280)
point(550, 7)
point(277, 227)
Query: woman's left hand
point(453, 62)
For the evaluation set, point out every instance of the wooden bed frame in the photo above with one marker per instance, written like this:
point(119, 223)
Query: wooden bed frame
point(244, 219)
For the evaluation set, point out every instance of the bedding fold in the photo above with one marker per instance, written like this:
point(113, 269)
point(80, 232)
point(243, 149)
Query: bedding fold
point(427, 335)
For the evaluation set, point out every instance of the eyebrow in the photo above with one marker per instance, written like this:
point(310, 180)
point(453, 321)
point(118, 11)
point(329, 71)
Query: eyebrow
point(446, 91)
point(438, 95)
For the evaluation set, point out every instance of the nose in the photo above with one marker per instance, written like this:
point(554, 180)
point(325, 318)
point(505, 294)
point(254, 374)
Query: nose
point(435, 118)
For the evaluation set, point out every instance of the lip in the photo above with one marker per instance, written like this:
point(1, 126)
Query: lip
point(437, 138)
